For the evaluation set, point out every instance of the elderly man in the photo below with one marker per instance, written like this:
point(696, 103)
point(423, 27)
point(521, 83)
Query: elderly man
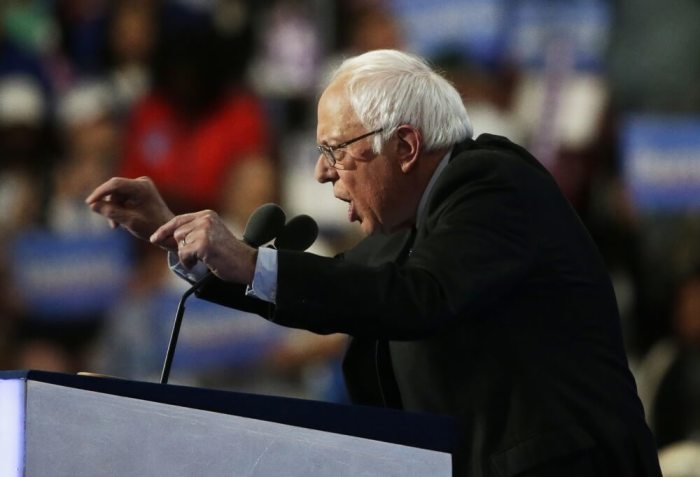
point(477, 293)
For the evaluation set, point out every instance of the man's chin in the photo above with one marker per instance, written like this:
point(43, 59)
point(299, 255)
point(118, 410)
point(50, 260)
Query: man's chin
point(368, 228)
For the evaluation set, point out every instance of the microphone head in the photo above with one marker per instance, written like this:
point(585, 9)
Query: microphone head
point(299, 233)
point(264, 224)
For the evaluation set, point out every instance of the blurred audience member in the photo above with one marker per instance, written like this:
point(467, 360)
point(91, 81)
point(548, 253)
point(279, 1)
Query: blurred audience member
point(366, 26)
point(24, 152)
point(652, 64)
point(82, 24)
point(681, 459)
point(669, 377)
point(488, 94)
point(25, 95)
point(18, 54)
point(10, 319)
point(91, 142)
point(44, 354)
point(286, 65)
point(30, 24)
point(650, 72)
point(131, 35)
point(61, 320)
point(199, 132)
point(126, 346)
point(564, 109)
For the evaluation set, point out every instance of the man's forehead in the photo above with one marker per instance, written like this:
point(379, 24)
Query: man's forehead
point(335, 113)
point(334, 97)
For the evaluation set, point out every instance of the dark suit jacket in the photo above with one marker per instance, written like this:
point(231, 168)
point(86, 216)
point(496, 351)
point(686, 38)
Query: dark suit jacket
point(497, 310)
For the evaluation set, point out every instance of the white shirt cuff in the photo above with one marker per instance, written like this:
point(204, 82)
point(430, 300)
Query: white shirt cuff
point(264, 286)
point(192, 275)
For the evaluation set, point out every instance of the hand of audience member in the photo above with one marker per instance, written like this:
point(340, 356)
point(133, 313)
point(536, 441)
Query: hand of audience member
point(134, 204)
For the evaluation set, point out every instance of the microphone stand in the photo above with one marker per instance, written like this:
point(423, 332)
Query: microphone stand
point(176, 327)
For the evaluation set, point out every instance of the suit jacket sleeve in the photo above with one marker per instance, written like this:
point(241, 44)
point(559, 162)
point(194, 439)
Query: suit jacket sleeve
point(233, 296)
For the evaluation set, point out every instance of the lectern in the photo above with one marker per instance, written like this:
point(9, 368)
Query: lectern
point(64, 425)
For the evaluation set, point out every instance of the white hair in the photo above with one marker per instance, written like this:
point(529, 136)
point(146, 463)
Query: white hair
point(388, 88)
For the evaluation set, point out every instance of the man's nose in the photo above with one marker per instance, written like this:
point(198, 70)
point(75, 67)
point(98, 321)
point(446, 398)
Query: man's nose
point(324, 172)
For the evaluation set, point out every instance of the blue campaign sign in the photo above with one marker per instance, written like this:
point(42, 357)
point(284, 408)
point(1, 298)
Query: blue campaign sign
point(475, 27)
point(579, 27)
point(61, 277)
point(212, 335)
point(490, 31)
point(661, 162)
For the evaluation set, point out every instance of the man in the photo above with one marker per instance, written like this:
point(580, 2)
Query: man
point(477, 294)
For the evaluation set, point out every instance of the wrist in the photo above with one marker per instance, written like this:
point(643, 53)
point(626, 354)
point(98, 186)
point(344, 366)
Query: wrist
point(252, 265)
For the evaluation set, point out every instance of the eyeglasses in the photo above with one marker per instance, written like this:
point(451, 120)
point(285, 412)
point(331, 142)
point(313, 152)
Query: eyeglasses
point(327, 150)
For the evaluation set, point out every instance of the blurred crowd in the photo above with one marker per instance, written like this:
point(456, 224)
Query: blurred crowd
point(215, 101)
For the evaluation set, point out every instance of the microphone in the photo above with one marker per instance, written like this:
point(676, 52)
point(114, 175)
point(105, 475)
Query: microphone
point(264, 224)
point(298, 234)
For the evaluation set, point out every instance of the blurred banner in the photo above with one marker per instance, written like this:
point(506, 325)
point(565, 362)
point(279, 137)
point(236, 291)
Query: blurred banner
point(64, 278)
point(661, 162)
point(491, 31)
point(475, 27)
point(536, 26)
point(212, 336)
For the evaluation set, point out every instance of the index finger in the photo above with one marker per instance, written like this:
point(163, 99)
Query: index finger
point(168, 229)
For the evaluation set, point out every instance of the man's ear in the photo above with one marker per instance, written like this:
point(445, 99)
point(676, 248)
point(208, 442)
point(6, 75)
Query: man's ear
point(408, 146)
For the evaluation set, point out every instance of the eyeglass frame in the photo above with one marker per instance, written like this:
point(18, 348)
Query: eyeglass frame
point(327, 151)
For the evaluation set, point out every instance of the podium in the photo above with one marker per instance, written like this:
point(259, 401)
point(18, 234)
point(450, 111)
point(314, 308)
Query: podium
point(55, 424)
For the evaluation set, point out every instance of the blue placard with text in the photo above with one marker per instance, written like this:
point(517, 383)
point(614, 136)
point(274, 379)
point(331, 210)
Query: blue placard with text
point(62, 278)
point(577, 28)
point(661, 162)
point(475, 27)
point(493, 31)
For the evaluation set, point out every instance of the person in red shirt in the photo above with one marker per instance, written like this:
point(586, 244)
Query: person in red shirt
point(200, 135)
